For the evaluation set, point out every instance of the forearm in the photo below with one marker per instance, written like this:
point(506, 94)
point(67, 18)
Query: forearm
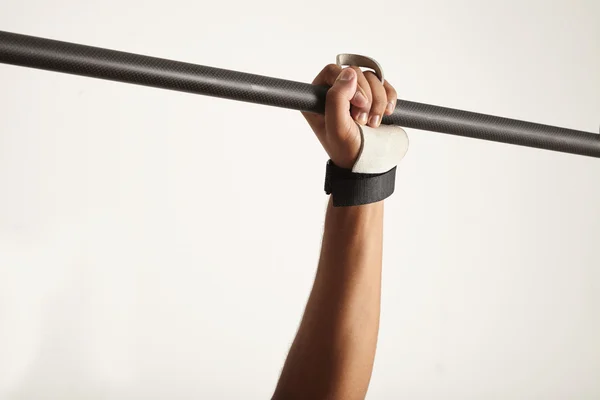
point(333, 352)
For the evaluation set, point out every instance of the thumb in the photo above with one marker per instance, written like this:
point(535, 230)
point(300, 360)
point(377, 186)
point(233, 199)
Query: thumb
point(338, 121)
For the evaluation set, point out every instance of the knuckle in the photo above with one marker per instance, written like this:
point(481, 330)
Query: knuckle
point(327, 75)
point(390, 89)
point(378, 107)
point(331, 69)
point(391, 92)
point(359, 72)
point(379, 101)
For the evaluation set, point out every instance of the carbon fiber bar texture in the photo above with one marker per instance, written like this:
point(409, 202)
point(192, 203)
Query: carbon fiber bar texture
point(53, 55)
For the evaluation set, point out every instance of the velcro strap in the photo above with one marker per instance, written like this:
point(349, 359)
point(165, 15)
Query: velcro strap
point(352, 189)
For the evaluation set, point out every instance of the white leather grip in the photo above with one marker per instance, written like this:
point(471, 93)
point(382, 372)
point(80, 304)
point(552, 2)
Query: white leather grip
point(381, 150)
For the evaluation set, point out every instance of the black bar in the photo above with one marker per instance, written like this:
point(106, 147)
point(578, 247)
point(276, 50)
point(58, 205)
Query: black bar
point(53, 55)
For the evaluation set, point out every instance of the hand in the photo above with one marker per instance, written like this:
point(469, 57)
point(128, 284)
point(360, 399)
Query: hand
point(354, 96)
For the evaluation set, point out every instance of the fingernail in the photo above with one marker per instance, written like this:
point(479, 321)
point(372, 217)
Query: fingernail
point(374, 121)
point(362, 118)
point(390, 107)
point(359, 97)
point(346, 75)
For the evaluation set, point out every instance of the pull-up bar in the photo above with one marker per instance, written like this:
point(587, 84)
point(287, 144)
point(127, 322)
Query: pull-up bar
point(71, 58)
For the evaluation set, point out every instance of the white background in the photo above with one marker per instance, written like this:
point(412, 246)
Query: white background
point(161, 245)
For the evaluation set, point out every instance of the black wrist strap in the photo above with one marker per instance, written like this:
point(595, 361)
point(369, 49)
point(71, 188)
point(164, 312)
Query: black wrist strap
point(353, 189)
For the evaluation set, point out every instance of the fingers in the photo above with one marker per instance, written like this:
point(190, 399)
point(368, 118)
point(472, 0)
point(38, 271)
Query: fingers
point(370, 102)
point(373, 100)
point(328, 75)
point(379, 101)
point(353, 95)
point(338, 102)
point(392, 98)
point(361, 102)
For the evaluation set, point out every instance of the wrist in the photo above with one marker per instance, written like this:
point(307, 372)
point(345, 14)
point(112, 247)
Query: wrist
point(346, 154)
point(370, 176)
point(344, 164)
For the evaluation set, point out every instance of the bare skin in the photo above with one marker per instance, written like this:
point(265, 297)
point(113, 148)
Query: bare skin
point(334, 349)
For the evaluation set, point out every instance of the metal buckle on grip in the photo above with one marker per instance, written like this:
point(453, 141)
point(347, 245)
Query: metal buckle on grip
point(356, 60)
